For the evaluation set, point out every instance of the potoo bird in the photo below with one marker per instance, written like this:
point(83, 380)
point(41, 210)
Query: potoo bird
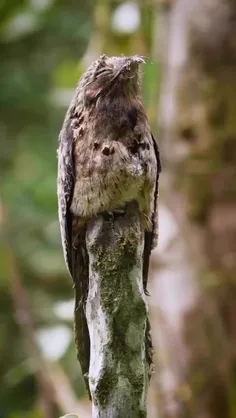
point(107, 157)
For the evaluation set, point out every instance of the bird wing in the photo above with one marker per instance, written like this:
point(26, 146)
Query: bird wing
point(65, 186)
point(73, 242)
point(151, 236)
point(150, 239)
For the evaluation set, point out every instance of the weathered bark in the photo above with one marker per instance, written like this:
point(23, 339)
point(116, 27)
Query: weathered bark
point(198, 126)
point(116, 312)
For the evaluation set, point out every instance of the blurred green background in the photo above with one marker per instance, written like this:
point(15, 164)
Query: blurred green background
point(188, 89)
point(45, 45)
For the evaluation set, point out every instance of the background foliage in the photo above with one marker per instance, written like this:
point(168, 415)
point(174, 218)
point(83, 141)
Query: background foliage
point(45, 45)
point(189, 94)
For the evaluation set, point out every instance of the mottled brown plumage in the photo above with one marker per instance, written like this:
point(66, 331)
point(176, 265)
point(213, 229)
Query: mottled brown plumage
point(107, 157)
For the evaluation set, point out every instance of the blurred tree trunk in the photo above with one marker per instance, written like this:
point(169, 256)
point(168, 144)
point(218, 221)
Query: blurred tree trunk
point(198, 133)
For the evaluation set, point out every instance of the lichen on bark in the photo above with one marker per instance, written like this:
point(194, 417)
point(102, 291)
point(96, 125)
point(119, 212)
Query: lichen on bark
point(117, 316)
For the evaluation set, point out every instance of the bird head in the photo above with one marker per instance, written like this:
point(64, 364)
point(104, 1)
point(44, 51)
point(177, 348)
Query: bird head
point(109, 74)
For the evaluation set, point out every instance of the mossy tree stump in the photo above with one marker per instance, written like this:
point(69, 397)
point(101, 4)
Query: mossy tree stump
point(117, 316)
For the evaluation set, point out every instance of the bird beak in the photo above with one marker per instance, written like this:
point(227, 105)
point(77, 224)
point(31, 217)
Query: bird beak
point(138, 59)
point(133, 62)
point(128, 66)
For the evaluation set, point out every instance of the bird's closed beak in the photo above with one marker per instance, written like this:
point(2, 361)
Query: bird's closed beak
point(132, 63)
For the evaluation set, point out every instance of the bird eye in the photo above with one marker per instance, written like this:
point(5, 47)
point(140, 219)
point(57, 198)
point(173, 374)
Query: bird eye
point(101, 71)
